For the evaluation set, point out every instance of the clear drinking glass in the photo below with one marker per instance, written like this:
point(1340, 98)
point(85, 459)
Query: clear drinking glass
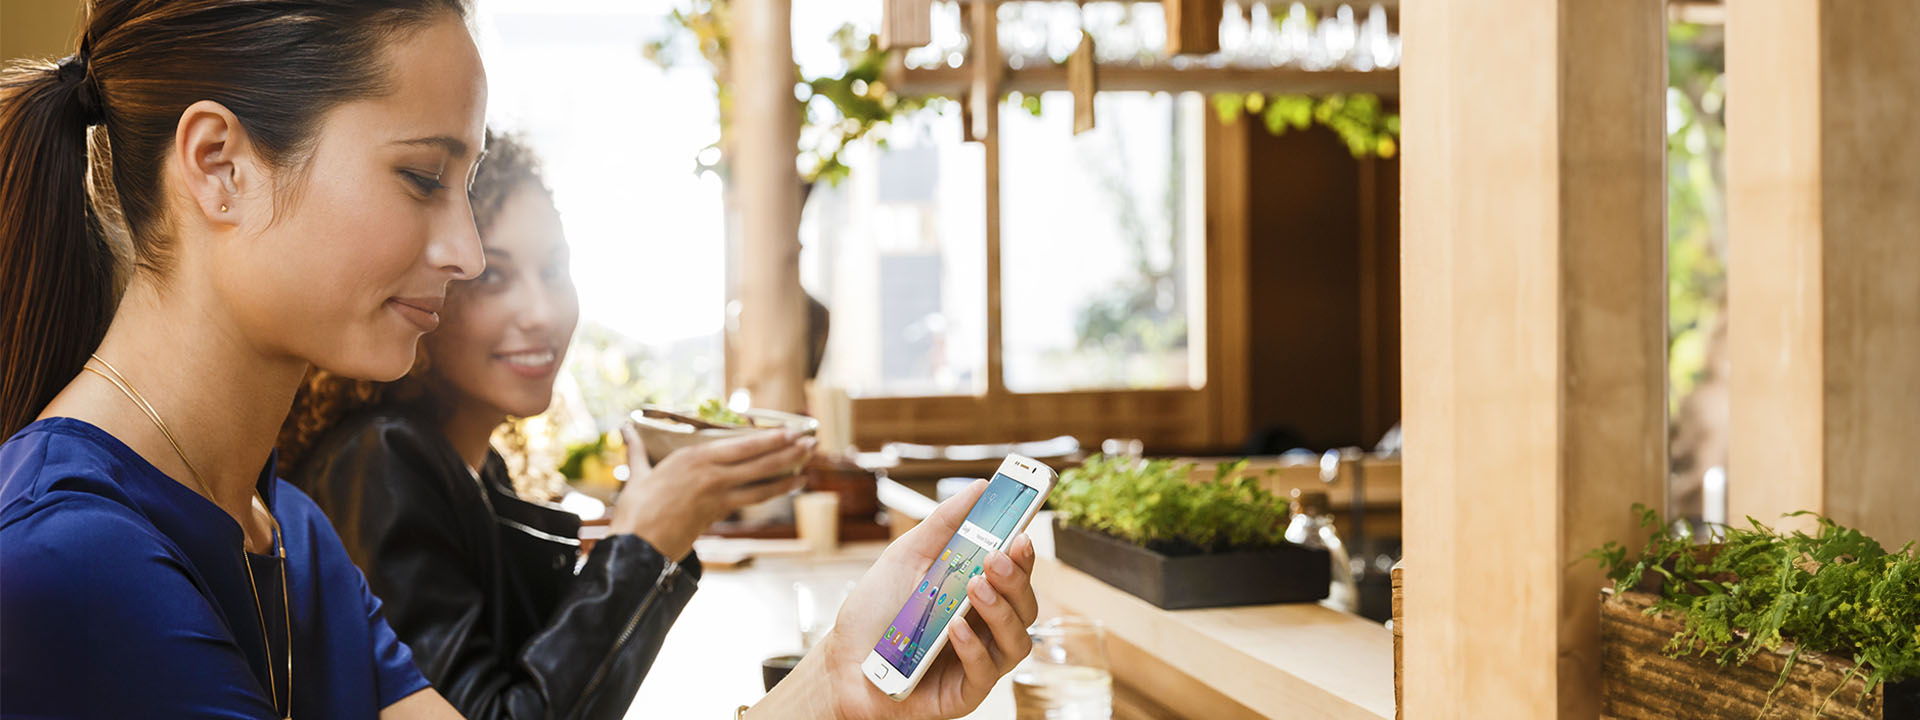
point(818, 603)
point(1066, 677)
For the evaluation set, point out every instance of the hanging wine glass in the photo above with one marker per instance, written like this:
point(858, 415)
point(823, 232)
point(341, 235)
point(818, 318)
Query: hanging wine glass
point(1261, 33)
point(1233, 30)
point(1296, 37)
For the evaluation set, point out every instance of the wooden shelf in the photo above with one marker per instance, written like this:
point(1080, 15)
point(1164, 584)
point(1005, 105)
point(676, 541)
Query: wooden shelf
point(1301, 660)
point(1382, 481)
point(953, 82)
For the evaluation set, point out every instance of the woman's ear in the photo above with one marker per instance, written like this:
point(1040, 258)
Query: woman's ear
point(218, 168)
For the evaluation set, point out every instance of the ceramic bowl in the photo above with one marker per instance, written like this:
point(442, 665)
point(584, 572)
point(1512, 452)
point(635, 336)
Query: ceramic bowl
point(662, 436)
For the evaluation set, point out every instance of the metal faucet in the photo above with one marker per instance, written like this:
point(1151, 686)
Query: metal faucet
point(1312, 526)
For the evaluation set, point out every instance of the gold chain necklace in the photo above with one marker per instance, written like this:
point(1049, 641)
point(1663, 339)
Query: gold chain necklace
point(114, 378)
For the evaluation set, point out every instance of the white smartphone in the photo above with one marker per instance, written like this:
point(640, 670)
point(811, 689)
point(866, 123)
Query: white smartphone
point(919, 631)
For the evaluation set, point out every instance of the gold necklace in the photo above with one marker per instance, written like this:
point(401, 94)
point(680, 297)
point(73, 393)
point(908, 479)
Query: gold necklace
point(114, 378)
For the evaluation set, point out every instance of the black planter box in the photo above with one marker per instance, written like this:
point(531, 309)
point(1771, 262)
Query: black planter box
point(1279, 575)
point(1902, 699)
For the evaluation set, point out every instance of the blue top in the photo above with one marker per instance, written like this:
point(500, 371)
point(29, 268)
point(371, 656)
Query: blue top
point(124, 593)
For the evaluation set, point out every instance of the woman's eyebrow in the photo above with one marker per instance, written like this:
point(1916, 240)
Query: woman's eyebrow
point(453, 145)
point(504, 255)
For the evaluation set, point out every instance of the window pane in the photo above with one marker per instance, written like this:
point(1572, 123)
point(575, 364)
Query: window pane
point(896, 252)
point(1100, 235)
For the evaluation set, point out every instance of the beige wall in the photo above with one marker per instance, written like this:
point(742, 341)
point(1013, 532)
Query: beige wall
point(38, 28)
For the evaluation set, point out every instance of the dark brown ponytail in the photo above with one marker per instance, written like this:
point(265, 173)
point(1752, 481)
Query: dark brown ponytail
point(278, 65)
point(56, 272)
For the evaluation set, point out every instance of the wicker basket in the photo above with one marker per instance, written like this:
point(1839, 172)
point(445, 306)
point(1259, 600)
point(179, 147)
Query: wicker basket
point(1640, 682)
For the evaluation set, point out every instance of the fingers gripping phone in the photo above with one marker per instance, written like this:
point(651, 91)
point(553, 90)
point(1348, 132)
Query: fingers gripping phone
point(919, 631)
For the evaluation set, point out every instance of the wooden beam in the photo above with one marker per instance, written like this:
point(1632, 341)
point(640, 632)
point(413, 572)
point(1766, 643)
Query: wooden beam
point(773, 323)
point(1824, 278)
point(1534, 338)
point(955, 82)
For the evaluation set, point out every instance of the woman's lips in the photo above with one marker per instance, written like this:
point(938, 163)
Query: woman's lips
point(423, 312)
point(530, 363)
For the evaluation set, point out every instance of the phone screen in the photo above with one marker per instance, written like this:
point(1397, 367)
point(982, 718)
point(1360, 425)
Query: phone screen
point(937, 596)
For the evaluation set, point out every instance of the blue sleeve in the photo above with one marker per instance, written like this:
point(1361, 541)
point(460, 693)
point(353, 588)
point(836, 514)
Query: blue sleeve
point(101, 619)
point(395, 672)
point(368, 653)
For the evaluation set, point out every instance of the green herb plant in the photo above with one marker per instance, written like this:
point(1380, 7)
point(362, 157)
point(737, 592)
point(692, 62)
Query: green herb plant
point(1154, 504)
point(1751, 590)
point(574, 465)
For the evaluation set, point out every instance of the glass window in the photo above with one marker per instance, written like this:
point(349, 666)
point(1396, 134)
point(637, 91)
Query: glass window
point(1101, 235)
point(897, 253)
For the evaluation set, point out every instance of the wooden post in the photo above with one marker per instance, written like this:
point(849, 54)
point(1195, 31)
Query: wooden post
point(1533, 325)
point(1193, 26)
point(905, 24)
point(1824, 275)
point(984, 105)
point(773, 322)
point(1228, 289)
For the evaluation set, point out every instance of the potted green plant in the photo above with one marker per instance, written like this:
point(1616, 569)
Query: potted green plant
point(1758, 623)
point(1146, 527)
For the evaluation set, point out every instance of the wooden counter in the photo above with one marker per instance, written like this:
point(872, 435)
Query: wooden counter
point(1300, 661)
point(1286, 661)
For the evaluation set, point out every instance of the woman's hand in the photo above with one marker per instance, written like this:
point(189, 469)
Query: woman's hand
point(670, 505)
point(829, 682)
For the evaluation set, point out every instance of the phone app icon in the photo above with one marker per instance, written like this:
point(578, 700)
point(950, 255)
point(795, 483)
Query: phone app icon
point(923, 586)
point(944, 554)
point(889, 636)
point(943, 600)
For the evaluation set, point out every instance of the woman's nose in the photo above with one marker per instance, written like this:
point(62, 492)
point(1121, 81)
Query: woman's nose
point(537, 308)
point(456, 248)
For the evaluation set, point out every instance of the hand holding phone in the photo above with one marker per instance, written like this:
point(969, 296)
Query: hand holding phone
point(941, 598)
point(993, 641)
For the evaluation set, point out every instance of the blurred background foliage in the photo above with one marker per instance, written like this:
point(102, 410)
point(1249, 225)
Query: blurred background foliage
point(1696, 257)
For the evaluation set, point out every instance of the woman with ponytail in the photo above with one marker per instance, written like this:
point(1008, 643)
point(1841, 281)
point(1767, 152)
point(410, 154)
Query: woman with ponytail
point(206, 197)
point(206, 200)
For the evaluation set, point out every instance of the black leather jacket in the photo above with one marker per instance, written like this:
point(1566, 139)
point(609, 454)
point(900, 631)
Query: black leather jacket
point(482, 585)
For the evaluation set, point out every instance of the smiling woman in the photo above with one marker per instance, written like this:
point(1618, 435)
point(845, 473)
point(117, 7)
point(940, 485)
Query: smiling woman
point(277, 176)
point(480, 581)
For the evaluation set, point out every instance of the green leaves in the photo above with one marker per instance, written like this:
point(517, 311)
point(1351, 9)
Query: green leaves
point(1360, 119)
point(1153, 503)
point(1836, 591)
point(836, 110)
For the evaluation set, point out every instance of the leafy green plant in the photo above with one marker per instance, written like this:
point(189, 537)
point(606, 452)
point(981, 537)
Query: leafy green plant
point(836, 110)
point(1360, 119)
point(582, 459)
point(1836, 591)
point(1154, 504)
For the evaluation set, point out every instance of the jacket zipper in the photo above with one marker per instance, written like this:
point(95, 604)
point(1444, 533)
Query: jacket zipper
point(667, 575)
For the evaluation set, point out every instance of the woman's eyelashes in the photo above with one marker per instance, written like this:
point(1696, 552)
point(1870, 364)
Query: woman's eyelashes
point(426, 183)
